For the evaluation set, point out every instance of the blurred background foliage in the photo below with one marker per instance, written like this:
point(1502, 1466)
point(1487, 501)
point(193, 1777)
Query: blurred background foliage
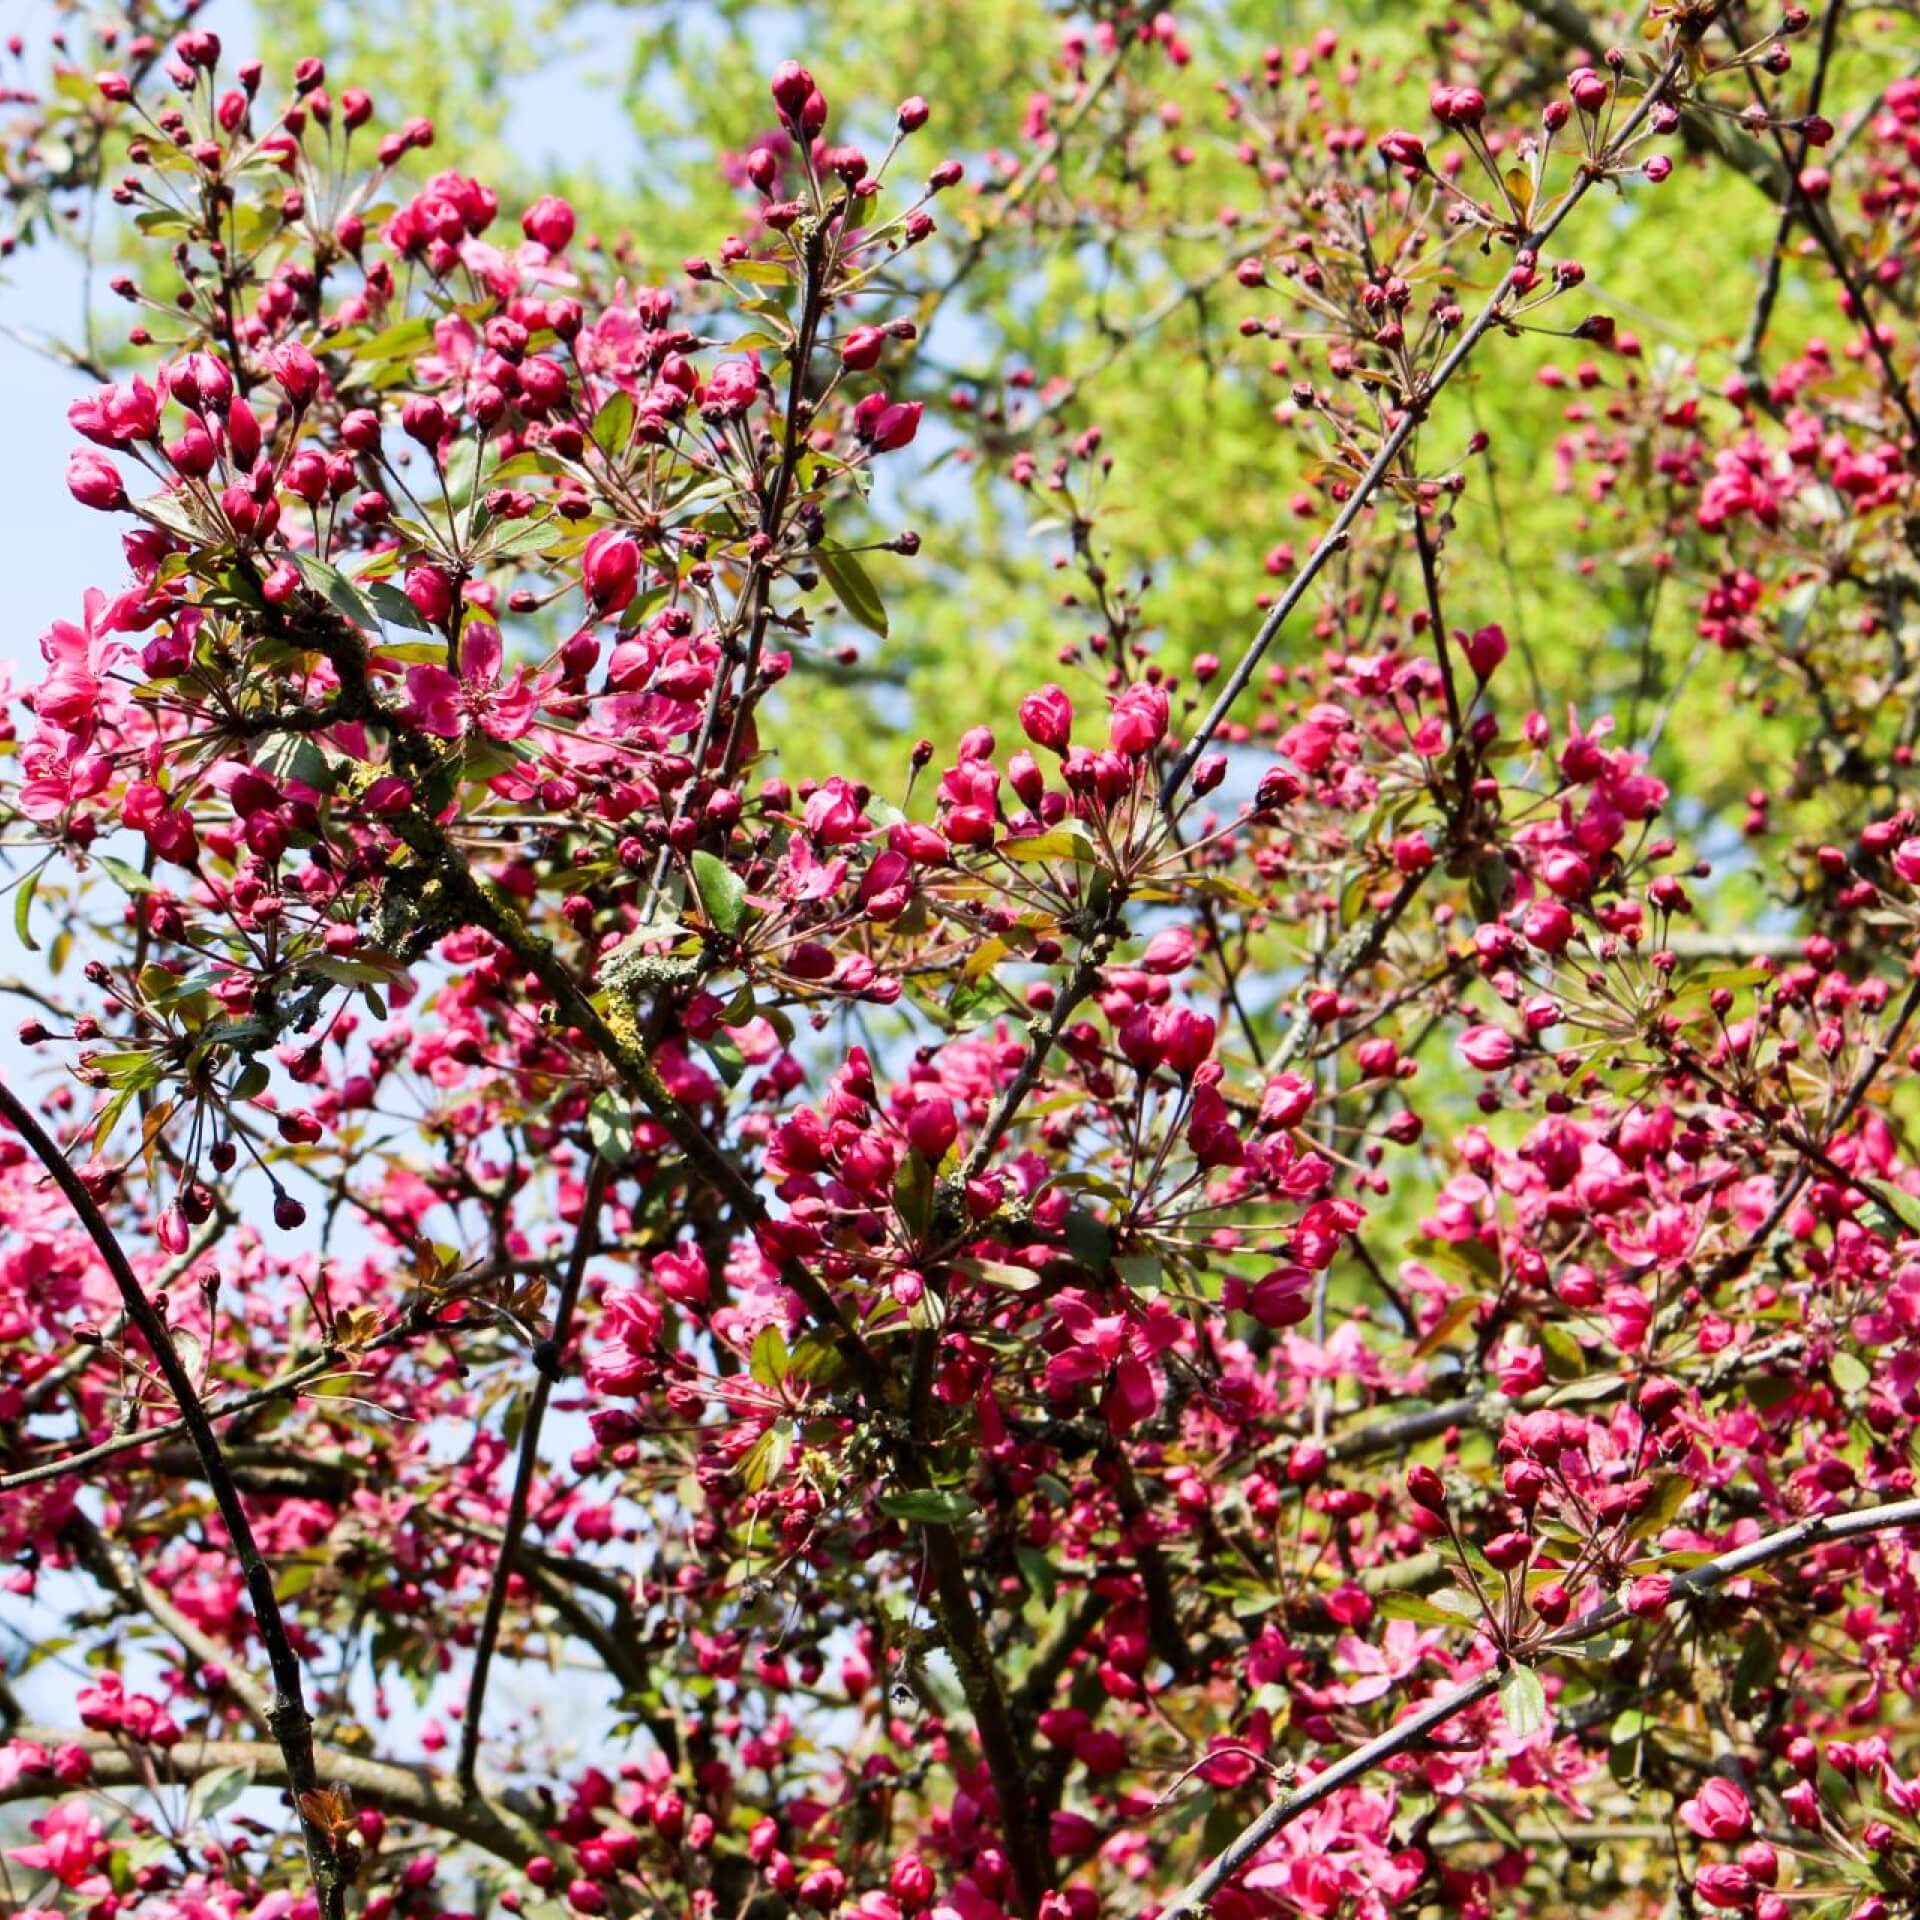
point(1206, 491)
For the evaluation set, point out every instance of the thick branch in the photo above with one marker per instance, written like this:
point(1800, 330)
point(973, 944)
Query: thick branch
point(412, 1792)
point(967, 1642)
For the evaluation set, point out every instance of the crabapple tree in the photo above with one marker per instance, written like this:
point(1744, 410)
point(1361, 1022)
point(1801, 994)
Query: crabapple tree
point(1278, 1276)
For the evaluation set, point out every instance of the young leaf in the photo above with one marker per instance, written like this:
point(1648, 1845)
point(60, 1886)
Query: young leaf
point(769, 1360)
point(23, 910)
point(928, 1507)
point(723, 894)
point(1850, 1373)
point(216, 1790)
point(613, 424)
point(127, 879)
point(1523, 1700)
point(856, 592)
point(761, 1464)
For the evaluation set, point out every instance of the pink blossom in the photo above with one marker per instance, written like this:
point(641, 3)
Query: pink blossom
point(446, 704)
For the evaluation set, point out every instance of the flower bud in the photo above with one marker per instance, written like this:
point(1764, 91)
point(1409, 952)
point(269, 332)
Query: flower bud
point(610, 570)
point(792, 86)
point(549, 222)
point(1458, 106)
point(95, 481)
point(861, 349)
point(425, 420)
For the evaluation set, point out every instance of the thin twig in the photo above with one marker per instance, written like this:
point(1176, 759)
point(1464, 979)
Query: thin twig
point(549, 1367)
point(1836, 254)
point(1411, 415)
point(1409, 1733)
point(1748, 358)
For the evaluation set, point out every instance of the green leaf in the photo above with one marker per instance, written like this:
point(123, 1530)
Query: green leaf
point(929, 1507)
point(769, 1361)
point(1670, 1493)
point(1759, 1663)
point(857, 594)
point(1458, 1313)
point(394, 607)
point(972, 1000)
point(1796, 609)
point(762, 1462)
point(728, 1061)
point(610, 1127)
point(1850, 1373)
point(995, 1273)
point(1037, 1570)
point(760, 273)
point(294, 756)
point(337, 590)
point(1903, 1206)
point(23, 910)
point(913, 1194)
point(613, 424)
point(399, 342)
point(1089, 1239)
point(127, 879)
point(1057, 843)
point(1523, 1701)
point(215, 1790)
point(723, 894)
point(815, 1358)
point(1565, 1360)
point(1415, 1607)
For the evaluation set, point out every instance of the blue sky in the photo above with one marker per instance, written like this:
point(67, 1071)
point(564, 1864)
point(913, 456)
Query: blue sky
point(54, 549)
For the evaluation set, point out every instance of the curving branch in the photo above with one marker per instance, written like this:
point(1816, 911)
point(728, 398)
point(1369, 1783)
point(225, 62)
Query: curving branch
point(1407, 1734)
point(288, 1718)
point(413, 1792)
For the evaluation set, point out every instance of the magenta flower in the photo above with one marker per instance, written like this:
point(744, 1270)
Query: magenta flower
point(886, 425)
point(1719, 1811)
point(1489, 1049)
point(449, 705)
